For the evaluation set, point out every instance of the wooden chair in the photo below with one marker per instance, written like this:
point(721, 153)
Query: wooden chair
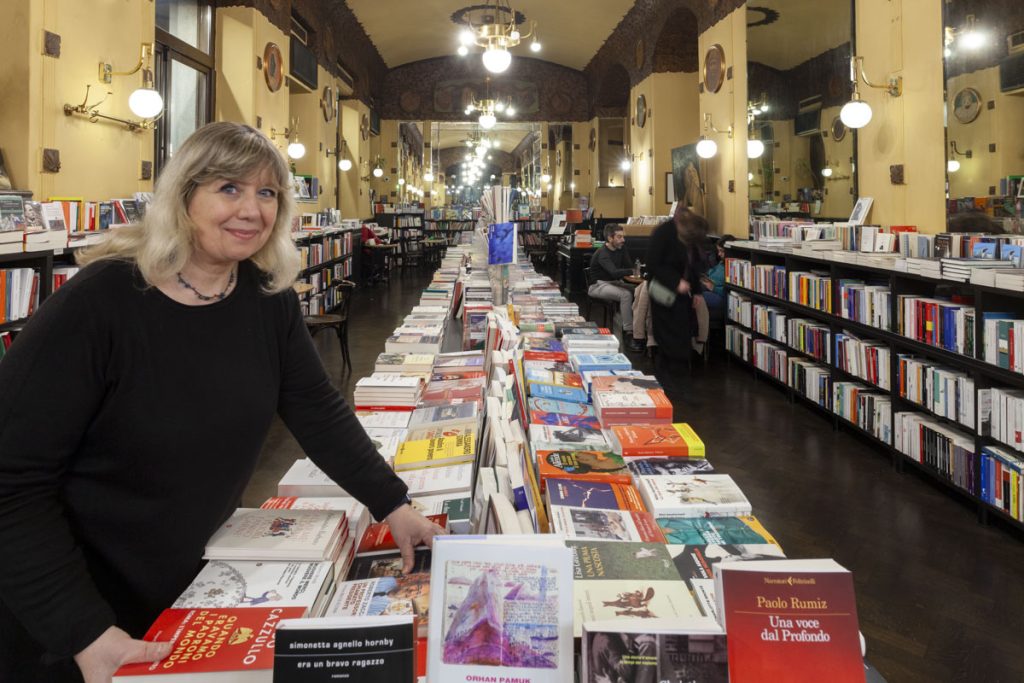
point(336, 320)
point(608, 308)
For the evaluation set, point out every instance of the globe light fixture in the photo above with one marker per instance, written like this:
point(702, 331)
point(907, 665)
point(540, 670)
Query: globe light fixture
point(625, 165)
point(146, 102)
point(952, 166)
point(345, 164)
point(497, 60)
point(857, 113)
point(493, 26)
point(755, 148)
point(707, 148)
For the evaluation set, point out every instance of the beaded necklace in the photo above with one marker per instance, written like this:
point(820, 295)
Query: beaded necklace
point(203, 297)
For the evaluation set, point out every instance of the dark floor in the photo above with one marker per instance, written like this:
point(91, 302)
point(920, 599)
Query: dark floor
point(940, 597)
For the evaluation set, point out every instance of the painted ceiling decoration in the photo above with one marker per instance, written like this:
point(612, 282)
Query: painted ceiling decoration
point(761, 16)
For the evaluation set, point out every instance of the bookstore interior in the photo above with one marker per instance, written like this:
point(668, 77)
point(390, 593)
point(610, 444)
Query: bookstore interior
point(844, 448)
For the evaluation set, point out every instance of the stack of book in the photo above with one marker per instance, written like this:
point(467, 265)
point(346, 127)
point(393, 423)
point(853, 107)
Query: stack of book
point(387, 391)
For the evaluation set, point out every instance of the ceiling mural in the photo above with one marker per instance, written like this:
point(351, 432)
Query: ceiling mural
point(439, 90)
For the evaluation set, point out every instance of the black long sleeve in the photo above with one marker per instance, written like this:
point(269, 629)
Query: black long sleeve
point(129, 426)
point(610, 265)
point(669, 261)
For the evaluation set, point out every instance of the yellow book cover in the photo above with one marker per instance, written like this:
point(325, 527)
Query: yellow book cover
point(447, 450)
point(695, 447)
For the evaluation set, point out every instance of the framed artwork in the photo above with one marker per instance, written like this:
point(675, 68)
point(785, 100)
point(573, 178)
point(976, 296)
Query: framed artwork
point(641, 110)
point(593, 139)
point(714, 68)
point(967, 105)
point(273, 67)
point(670, 188)
point(860, 211)
point(364, 126)
point(688, 186)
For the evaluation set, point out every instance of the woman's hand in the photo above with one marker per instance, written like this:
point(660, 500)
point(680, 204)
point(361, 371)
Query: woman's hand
point(410, 528)
point(683, 287)
point(114, 648)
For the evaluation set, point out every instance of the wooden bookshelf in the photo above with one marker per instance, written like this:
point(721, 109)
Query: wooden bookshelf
point(984, 375)
point(329, 256)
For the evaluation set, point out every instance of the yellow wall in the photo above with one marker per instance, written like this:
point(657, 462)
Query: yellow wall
point(1000, 126)
point(641, 146)
point(582, 161)
point(727, 210)
point(903, 38)
point(675, 121)
point(98, 160)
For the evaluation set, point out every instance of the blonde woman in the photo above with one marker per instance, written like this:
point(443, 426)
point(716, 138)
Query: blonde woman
point(135, 403)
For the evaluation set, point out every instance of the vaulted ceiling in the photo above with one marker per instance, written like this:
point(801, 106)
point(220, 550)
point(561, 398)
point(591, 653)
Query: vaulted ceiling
point(570, 31)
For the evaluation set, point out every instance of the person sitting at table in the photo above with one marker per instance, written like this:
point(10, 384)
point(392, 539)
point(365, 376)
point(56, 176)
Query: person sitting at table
point(608, 266)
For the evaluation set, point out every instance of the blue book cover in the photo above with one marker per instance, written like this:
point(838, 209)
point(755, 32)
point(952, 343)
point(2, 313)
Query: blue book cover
point(572, 408)
point(501, 244)
point(601, 361)
point(1014, 253)
point(582, 494)
point(573, 394)
point(985, 250)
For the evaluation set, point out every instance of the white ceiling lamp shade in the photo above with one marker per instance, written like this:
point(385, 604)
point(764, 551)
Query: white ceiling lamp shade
point(755, 148)
point(345, 164)
point(707, 148)
point(146, 103)
point(497, 60)
point(857, 113)
point(487, 121)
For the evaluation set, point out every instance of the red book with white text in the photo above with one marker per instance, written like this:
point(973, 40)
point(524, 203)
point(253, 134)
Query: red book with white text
point(789, 621)
point(235, 644)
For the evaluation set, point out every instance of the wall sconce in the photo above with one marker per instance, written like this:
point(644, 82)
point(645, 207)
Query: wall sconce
point(755, 148)
point(626, 165)
point(857, 113)
point(344, 162)
point(296, 150)
point(377, 169)
point(953, 165)
point(145, 102)
point(829, 173)
point(706, 147)
point(968, 38)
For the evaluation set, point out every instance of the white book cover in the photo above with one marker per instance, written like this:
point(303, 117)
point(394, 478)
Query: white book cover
point(604, 525)
point(437, 416)
point(248, 583)
point(552, 438)
point(494, 618)
point(433, 481)
point(277, 534)
point(384, 419)
point(304, 478)
point(684, 495)
point(389, 380)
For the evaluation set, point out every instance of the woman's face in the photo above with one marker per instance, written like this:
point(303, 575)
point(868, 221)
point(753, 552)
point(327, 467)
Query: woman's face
point(233, 218)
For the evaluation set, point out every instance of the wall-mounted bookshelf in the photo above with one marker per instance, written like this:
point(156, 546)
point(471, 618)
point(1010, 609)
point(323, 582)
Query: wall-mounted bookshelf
point(329, 256)
point(456, 231)
point(919, 366)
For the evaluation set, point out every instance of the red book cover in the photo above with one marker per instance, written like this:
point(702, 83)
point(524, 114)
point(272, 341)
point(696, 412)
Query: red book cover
point(789, 626)
point(210, 640)
point(377, 537)
point(380, 409)
point(651, 440)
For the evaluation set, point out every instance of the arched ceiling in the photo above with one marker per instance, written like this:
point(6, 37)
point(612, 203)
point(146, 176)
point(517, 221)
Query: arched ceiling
point(821, 25)
point(570, 31)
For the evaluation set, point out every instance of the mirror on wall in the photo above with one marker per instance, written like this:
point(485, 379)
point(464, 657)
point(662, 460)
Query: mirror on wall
point(470, 158)
point(984, 86)
point(612, 162)
point(801, 159)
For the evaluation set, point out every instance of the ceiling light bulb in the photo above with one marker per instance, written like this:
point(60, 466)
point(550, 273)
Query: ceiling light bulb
point(296, 150)
point(827, 172)
point(378, 172)
point(750, 176)
point(572, 186)
point(755, 148)
point(345, 164)
point(497, 60)
point(471, 108)
point(428, 177)
point(952, 166)
point(466, 37)
point(487, 121)
point(625, 165)
point(510, 111)
point(401, 181)
point(146, 103)
point(462, 51)
point(535, 46)
point(707, 148)
point(855, 114)
point(499, 106)
point(515, 35)
point(545, 178)
point(481, 150)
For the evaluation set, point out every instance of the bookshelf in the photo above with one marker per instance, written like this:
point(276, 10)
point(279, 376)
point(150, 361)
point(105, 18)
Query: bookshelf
point(532, 235)
point(451, 229)
point(329, 256)
point(405, 228)
point(864, 373)
point(43, 263)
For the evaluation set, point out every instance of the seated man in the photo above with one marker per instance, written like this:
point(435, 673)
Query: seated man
point(608, 266)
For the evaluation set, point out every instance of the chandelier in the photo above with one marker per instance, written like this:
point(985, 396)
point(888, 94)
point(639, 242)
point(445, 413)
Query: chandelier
point(489, 108)
point(494, 26)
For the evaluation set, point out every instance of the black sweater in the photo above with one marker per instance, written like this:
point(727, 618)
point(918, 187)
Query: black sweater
point(129, 427)
point(606, 264)
point(669, 260)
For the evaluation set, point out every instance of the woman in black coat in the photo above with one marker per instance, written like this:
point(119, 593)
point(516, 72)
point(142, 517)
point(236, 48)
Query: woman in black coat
point(675, 261)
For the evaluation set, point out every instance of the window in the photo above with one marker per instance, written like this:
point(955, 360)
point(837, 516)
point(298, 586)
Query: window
point(184, 72)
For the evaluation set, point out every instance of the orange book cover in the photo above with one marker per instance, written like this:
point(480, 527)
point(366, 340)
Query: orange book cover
point(582, 466)
point(646, 440)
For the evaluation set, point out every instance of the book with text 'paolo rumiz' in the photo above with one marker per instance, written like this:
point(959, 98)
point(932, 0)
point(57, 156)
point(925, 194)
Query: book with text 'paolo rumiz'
point(212, 646)
point(790, 621)
point(328, 649)
point(684, 650)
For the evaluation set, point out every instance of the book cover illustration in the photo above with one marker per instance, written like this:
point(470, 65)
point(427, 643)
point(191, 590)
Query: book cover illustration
point(571, 408)
point(639, 655)
point(596, 495)
point(583, 465)
point(694, 495)
point(577, 437)
point(741, 530)
point(501, 614)
point(559, 393)
point(247, 583)
point(701, 561)
point(564, 420)
point(377, 586)
point(605, 525)
point(665, 465)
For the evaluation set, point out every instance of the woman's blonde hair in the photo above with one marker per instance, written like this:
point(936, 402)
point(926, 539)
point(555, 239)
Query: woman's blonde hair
point(161, 245)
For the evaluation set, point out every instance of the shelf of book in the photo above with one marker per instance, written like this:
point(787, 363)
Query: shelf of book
point(982, 374)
